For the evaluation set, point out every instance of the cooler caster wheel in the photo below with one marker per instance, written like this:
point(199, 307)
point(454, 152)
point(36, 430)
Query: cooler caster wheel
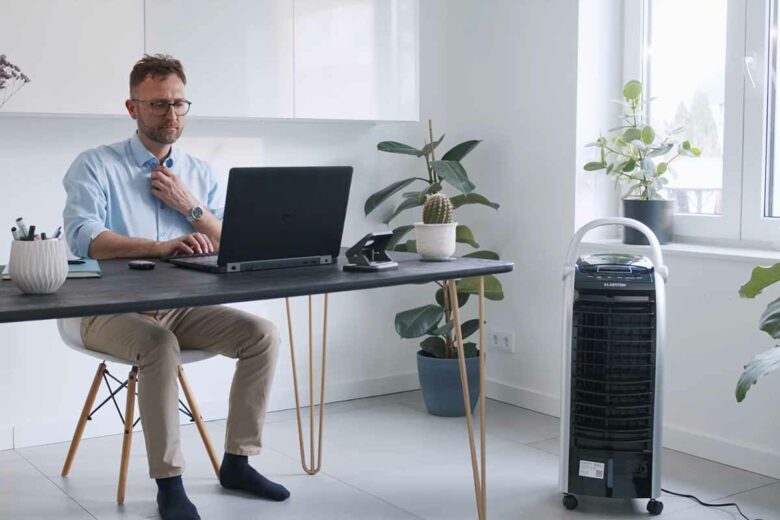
point(654, 507)
point(570, 502)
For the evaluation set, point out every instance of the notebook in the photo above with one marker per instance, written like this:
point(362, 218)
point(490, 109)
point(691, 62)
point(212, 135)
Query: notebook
point(88, 269)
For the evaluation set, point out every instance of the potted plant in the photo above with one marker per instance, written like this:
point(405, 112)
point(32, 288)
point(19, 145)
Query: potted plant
point(437, 358)
point(768, 361)
point(436, 233)
point(636, 155)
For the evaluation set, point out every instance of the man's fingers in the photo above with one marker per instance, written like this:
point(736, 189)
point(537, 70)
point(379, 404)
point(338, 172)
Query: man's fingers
point(193, 243)
point(206, 241)
point(181, 247)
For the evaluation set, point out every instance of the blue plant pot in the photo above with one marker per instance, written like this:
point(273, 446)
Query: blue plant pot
point(440, 382)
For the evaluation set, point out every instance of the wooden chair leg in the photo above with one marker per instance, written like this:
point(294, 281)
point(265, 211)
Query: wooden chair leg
point(82, 424)
point(127, 439)
point(204, 434)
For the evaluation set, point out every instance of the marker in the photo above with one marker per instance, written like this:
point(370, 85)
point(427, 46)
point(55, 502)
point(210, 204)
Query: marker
point(43, 236)
point(22, 227)
point(31, 233)
point(58, 232)
point(15, 233)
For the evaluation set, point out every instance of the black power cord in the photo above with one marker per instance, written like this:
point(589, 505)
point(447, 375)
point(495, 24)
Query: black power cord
point(709, 505)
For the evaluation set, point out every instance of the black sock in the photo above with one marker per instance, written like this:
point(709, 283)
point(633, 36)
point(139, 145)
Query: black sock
point(236, 473)
point(172, 500)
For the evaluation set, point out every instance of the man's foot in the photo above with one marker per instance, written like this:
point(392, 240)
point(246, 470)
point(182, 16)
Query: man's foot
point(172, 500)
point(236, 473)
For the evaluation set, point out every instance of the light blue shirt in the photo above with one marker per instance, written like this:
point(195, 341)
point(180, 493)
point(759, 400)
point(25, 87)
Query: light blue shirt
point(109, 188)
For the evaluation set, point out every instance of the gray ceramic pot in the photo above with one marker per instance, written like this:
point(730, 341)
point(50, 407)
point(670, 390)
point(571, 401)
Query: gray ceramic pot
point(440, 382)
point(658, 215)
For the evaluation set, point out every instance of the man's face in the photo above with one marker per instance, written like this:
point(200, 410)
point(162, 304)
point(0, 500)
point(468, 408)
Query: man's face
point(165, 128)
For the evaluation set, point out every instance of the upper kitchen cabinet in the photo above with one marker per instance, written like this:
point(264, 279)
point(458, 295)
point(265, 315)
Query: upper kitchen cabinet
point(238, 55)
point(357, 59)
point(78, 53)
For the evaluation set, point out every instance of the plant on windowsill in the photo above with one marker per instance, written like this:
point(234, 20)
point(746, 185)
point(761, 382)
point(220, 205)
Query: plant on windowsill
point(635, 155)
point(437, 359)
point(768, 361)
point(11, 79)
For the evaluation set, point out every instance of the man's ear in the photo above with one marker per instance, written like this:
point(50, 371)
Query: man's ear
point(130, 106)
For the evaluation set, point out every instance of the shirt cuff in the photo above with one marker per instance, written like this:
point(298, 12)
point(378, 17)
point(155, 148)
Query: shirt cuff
point(86, 234)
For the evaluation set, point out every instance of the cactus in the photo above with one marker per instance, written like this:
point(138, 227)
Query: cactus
point(437, 209)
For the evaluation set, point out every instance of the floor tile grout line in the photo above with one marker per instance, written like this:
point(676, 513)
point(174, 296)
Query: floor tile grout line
point(747, 490)
point(61, 490)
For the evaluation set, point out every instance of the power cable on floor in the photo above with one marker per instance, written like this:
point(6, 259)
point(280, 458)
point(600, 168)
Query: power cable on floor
point(709, 505)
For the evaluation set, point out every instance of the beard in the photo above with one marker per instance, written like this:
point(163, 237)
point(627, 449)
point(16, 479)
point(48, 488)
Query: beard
point(162, 133)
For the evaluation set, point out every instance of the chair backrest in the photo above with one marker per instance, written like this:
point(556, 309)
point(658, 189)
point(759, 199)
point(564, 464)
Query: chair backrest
point(70, 332)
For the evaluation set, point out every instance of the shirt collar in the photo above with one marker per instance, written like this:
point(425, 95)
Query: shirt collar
point(144, 157)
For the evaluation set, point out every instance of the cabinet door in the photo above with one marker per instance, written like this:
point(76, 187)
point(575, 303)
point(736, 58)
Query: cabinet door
point(77, 53)
point(357, 59)
point(237, 54)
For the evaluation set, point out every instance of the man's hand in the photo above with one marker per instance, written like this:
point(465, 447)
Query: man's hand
point(170, 189)
point(194, 243)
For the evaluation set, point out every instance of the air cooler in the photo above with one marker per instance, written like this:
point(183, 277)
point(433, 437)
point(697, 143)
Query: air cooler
point(614, 330)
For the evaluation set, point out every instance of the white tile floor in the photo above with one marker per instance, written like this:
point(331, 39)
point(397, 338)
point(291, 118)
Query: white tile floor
point(384, 458)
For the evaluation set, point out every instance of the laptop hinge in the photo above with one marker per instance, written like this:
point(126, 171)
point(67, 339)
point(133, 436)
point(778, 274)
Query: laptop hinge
point(256, 265)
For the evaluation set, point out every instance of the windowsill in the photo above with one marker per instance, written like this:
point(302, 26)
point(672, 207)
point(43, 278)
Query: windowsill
point(751, 255)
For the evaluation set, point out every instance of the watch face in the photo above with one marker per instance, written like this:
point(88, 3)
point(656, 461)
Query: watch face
point(197, 212)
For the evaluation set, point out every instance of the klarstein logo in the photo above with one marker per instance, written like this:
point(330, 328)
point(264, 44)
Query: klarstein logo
point(614, 284)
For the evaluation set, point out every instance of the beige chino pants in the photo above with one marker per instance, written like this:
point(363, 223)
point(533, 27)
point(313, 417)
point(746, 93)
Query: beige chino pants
point(152, 342)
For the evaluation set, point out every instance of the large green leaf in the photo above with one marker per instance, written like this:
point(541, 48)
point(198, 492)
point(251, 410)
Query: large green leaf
point(428, 148)
point(487, 255)
point(470, 350)
point(770, 319)
point(411, 202)
point(382, 195)
point(434, 346)
point(454, 173)
point(493, 289)
point(464, 235)
point(434, 187)
point(398, 234)
point(462, 298)
point(761, 278)
point(458, 152)
point(594, 166)
point(419, 321)
point(444, 329)
point(632, 90)
point(468, 328)
point(394, 147)
point(471, 198)
point(410, 246)
point(758, 367)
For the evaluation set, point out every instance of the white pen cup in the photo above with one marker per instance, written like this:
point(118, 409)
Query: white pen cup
point(38, 266)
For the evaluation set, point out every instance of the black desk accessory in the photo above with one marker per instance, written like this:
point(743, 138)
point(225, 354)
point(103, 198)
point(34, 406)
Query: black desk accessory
point(141, 265)
point(368, 254)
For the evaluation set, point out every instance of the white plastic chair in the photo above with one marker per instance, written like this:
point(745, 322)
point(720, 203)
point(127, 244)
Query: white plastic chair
point(70, 331)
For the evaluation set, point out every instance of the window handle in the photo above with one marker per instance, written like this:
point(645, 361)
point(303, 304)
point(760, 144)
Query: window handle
point(750, 63)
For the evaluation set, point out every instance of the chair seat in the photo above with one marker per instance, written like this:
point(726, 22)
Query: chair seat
point(70, 331)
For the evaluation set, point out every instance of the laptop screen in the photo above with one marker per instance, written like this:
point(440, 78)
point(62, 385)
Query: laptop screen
point(285, 212)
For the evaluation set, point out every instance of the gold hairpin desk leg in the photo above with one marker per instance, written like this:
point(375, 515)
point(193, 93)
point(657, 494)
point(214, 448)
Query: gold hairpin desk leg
point(309, 467)
point(479, 471)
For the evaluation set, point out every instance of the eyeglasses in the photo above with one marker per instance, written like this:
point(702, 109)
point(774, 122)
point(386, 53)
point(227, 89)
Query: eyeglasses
point(160, 107)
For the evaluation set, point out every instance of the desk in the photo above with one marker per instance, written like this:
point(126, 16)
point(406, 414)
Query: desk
point(124, 290)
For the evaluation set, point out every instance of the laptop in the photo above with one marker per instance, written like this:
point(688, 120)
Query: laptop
point(279, 217)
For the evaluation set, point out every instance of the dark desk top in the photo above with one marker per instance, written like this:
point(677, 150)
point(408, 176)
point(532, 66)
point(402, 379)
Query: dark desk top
point(124, 290)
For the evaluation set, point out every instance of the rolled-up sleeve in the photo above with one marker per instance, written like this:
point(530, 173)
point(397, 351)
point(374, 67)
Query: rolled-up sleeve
point(86, 205)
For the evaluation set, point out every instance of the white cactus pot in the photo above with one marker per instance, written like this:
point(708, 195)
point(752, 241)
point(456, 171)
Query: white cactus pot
point(435, 241)
point(38, 266)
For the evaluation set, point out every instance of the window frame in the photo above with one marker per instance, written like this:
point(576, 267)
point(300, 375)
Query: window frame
point(745, 122)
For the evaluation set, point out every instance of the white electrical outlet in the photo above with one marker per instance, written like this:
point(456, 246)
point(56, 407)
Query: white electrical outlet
point(501, 340)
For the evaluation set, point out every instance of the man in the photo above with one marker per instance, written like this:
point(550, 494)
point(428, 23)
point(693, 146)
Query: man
point(144, 198)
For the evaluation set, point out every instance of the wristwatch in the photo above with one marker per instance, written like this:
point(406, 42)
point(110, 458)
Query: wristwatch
point(195, 214)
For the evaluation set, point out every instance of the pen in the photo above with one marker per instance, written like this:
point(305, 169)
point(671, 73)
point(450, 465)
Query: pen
point(15, 233)
point(58, 232)
point(22, 227)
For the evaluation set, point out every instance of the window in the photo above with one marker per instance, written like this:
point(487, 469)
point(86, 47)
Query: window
point(709, 66)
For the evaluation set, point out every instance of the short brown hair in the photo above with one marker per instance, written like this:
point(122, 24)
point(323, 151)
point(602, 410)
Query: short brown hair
point(158, 66)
